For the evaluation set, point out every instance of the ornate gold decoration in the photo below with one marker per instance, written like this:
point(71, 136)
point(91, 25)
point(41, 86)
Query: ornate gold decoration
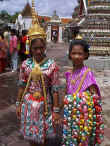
point(37, 72)
point(37, 95)
point(78, 37)
point(35, 31)
point(82, 80)
point(73, 82)
point(36, 75)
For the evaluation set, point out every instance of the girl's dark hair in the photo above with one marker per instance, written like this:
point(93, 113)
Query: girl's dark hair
point(1, 34)
point(24, 32)
point(13, 31)
point(43, 41)
point(83, 43)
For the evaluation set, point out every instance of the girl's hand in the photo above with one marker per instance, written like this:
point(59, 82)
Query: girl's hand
point(57, 118)
point(18, 111)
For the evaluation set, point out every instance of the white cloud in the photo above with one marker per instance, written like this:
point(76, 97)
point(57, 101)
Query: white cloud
point(64, 8)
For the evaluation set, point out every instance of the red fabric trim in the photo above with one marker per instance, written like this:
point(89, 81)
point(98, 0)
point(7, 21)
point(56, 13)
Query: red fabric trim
point(35, 99)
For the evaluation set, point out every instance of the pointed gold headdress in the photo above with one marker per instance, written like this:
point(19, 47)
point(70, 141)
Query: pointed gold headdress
point(35, 31)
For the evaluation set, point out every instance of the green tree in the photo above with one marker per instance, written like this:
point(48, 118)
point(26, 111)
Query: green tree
point(4, 14)
point(14, 17)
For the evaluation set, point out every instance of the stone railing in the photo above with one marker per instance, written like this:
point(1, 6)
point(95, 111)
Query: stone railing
point(99, 2)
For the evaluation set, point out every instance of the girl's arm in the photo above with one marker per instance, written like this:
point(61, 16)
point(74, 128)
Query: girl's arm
point(64, 93)
point(55, 91)
point(55, 88)
point(21, 83)
point(56, 99)
point(20, 94)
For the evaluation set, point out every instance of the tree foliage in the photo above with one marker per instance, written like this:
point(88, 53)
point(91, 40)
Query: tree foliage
point(7, 18)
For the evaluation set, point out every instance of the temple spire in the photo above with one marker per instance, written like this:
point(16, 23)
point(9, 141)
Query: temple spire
point(85, 5)
point(27, 1)
point(34, 14)
point(33, 4)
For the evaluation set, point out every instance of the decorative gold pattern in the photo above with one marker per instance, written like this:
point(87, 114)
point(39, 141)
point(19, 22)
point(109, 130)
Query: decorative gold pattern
point(35, 75)
point(73, 82)
point(37, 95)
point(82, 80)
point(38, 72)
point(78, 37)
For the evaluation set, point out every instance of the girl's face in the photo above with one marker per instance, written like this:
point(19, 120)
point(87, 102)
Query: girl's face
point(0, 38)
point(78, 55)
point(38, 50)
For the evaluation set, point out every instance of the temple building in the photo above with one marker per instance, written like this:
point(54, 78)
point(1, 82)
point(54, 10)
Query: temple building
point(93, 19)
point(27, 16)
point(78, 16)
point(95, 27)
point(53, 25)
point(55, 29)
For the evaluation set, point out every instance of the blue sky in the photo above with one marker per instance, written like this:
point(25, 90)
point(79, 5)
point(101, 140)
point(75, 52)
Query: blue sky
point(64, 8)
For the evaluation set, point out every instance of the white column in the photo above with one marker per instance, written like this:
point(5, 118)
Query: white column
point(85, 6)
point(60, 34)
point(49, 33)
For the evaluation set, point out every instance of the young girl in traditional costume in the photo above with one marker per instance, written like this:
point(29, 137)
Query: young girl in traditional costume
point(38, 76)
point(83, 123)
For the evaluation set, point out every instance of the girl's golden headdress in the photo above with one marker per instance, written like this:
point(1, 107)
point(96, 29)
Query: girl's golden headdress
point(35, 31)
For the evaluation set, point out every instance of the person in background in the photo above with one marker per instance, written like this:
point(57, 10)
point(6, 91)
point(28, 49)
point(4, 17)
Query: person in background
point(3, 53)
point(13, 50)
point(7, 40)
point(22, 51)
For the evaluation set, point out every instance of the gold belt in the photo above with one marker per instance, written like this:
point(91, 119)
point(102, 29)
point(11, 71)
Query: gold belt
point(37, 94)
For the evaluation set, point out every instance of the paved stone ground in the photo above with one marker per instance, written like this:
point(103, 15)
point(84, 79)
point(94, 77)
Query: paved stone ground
point(9, 126)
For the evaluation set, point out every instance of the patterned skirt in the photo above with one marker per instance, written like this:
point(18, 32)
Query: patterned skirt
point(35, 125)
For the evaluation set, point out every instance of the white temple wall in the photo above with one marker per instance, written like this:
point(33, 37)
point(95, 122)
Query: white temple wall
point(49, 33)
point(27, 22)
point(60, 34)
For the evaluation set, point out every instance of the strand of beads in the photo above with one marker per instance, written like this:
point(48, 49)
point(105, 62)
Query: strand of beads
point(86, 118)
point(98, 126)
point(78, 119)
point(68, 122)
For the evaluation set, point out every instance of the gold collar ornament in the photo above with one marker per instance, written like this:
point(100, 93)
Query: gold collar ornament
point(35, 75)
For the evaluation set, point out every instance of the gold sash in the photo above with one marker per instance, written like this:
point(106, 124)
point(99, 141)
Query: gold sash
point(82, 80)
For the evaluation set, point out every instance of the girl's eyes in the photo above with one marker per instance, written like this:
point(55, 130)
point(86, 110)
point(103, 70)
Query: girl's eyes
point(73, 53)
point(36, 48)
